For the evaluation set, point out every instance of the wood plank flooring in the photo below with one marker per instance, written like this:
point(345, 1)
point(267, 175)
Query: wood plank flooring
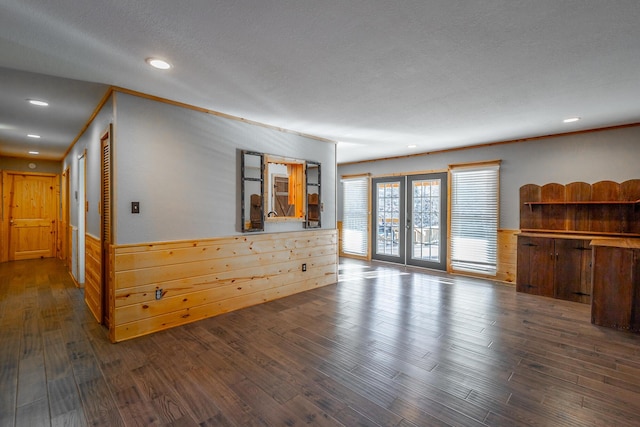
point(386, 346)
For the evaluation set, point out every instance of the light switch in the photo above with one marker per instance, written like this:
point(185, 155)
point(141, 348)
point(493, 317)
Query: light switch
point(135, 207)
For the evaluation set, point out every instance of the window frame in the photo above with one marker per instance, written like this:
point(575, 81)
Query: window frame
point(473, 266)
point(300, 185)
point(366, 188)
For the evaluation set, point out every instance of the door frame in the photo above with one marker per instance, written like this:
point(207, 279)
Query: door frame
point(6, 210)
point(405, 227)
point(375, 228)
point(107, 206)
point(81, 197)
point(444, 208)
point(64, 230)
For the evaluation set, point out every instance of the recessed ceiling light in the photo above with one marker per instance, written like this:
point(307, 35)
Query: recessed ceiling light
point(38, 102)
point(31, 135)
point(160, 64)
point(34, 152)
point(412, 146)
point(571, 119)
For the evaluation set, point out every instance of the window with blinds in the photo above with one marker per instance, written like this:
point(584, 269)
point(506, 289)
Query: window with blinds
point(474, 218)
point(355, 216)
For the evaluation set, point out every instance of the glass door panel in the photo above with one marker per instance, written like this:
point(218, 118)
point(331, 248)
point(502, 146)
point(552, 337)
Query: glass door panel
point(426, 224)
point(389, 216)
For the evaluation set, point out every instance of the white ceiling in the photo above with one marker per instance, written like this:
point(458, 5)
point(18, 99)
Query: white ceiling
point(376, 76)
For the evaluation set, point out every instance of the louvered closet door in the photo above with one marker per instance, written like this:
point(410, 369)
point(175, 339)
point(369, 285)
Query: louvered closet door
point(105, 220)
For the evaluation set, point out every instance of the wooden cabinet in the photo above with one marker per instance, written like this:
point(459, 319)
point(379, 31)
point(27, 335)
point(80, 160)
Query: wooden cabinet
point(563, 226)
point(616, 286)
point(554, 267)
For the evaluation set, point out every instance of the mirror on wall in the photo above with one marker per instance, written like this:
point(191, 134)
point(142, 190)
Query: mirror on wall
point(279, 189)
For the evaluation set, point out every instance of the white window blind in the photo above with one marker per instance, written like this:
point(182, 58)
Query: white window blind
point(474, 218)
point(355, 216)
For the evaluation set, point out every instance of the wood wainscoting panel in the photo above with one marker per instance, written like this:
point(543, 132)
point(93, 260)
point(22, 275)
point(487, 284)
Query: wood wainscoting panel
point(204, 278)
point(93, 275)
point(507, 255)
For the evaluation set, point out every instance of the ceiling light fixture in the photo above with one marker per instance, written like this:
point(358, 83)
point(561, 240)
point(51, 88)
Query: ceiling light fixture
point(412, 146)
point(34, 152)
point(160, 64)
point(31, 135)
point(38, 102)
point(571, 119)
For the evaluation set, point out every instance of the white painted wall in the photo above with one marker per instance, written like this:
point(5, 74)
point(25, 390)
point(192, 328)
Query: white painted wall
point(89, 141)
point(182, 166)
point(590, 157)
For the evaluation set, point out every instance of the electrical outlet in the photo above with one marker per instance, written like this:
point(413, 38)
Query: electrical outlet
point(158, 294)
point(304, 267)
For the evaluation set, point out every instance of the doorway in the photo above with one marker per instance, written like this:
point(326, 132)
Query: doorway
point(410, 217)
point(79, 271)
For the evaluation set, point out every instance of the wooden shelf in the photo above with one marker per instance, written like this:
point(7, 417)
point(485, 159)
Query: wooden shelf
point(583, 234)
point(604, 208)
point(603, 202)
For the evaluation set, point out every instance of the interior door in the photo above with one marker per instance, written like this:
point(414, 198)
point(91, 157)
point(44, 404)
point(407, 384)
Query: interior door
point(33, 215)
point(426, 225)
point(106, 231)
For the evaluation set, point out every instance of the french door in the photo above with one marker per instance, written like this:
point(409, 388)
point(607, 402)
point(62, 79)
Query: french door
point(410, 214)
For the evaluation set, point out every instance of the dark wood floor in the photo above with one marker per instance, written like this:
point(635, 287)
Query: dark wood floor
point(386, 346)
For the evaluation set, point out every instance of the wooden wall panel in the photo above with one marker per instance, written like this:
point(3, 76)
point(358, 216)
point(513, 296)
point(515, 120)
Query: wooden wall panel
point(606, 218)
point(553, 216)
point(530, 218)
point(507, 255)
point(630, 190)
point(204, 278)
point(92, 279)
point(578, 215)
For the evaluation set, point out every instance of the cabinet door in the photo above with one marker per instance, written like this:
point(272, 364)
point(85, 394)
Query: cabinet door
point(535, 266)
point(635, 280)
point(612, 297)
point(571, 281)
point(524, 265)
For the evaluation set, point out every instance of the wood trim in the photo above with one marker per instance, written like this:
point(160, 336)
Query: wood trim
point(47, 174)
point(63, 224)
point(218, 114)
point(492, 144)
point(475, 164)
point(422, 172)
point(84, 128)
point(4, 219)
point(203, 278)
point(356, 176)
